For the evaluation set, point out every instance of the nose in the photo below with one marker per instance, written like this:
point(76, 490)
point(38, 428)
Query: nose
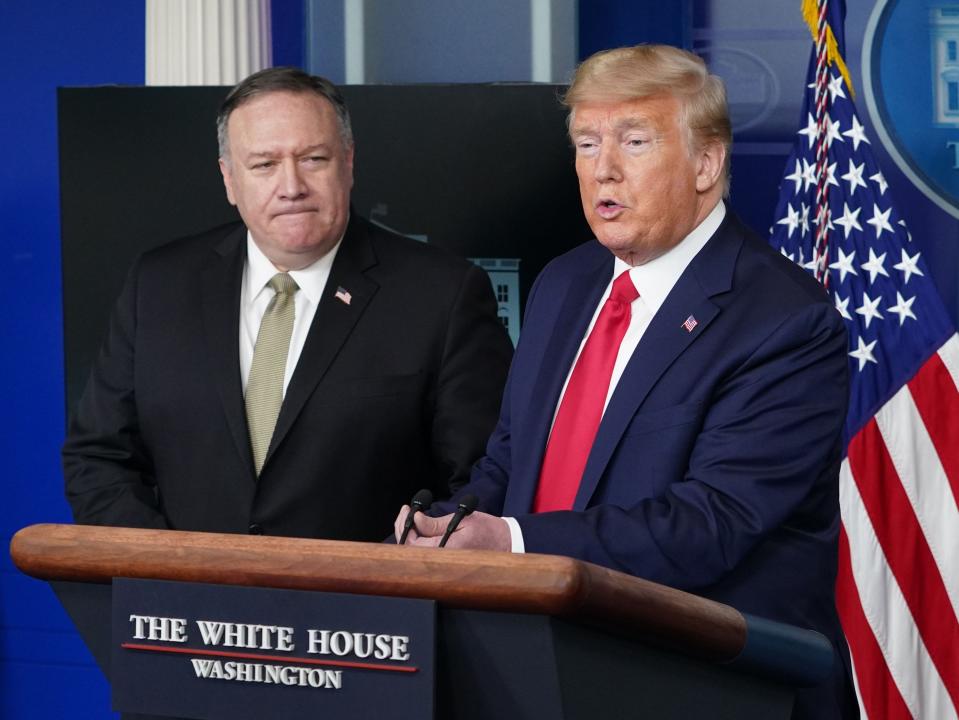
point(291, 184)
point(608, 167)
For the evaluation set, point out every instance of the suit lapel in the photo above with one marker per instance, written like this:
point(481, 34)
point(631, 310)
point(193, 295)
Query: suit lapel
point(573, 318)
point(332, 324)
point(220, 301)
point(709, 274)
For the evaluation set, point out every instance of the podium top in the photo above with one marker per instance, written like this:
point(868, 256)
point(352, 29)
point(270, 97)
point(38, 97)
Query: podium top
point(474, 579)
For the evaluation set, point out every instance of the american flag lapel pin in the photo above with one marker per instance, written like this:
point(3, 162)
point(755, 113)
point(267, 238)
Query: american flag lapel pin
point(343, 296)
point(690, 323)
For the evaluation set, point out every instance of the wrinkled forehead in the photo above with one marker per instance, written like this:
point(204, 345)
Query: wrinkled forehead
point(661, 112)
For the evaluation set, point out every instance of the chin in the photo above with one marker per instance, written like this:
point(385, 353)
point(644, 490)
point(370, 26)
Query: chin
point(615, 243)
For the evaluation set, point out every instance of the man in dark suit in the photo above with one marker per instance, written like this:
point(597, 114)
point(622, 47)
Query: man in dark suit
point(300, 374)
point(675, 406)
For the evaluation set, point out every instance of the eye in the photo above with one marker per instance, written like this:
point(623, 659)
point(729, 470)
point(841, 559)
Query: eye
point(263, 165)
point(586, 147)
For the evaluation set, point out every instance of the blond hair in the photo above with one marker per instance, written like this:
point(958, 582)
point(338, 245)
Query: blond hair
point(630, 73)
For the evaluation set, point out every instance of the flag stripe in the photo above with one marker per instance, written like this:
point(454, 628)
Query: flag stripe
point(934, 390)
point(949, 354)
point(923, 479)
point(905, 656)
point(909, 558)
point(898, 586)
point(878, 695)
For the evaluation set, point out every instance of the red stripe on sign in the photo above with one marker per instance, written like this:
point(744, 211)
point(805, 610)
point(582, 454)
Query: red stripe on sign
point(877, 690)
point(934, 392)
point(271, 658)
point(907, 552)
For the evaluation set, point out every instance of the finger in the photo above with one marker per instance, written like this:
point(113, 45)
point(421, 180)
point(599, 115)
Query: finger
point(428, 526)
point(422, 541)
point(400, 521)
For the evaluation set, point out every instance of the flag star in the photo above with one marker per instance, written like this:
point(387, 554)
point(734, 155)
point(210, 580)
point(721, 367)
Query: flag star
point(863, 353)
point(811, 265)
point(849, 219)
point(783, 251)
point(835, 88)
point(880, 220)
point(909, 266)
point(804, 218)
point(791, 220)
point(874, 266)
point(843, 306)
point(831, 175)
point(796, 177)
point(857, 133)
point(903, 308)
point(810, 131)
point(808, 175)
point(869, 309)
point(881, 181)
point(844, 264)
point(854, 176)
point(832, 131)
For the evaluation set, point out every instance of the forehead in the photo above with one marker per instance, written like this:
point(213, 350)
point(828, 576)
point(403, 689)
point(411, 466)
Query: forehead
point(282, 113)
point(660, 112)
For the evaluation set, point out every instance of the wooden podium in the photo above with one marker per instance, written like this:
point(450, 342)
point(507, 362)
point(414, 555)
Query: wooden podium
point(518, 636)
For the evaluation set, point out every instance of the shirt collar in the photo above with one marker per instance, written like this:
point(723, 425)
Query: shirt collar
point(656, 278)
point(311, 279)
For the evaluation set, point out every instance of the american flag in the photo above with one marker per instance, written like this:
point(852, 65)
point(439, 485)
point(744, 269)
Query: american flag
point(343, 296)
point(898, 586)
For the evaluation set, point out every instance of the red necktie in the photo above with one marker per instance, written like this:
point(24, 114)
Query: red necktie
point(582, 406)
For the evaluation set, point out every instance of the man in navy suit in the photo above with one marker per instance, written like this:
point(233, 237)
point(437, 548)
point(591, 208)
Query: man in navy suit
point(674, 409)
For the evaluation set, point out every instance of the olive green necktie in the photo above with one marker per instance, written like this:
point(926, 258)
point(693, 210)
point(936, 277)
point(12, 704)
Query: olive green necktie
point(264, 388)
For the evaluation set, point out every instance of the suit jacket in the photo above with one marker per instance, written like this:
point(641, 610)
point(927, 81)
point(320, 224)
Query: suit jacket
point(394, 391)
point(715, 466)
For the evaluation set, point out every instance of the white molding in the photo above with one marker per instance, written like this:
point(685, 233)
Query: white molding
point(354, 48)
point(206, 42)
point(541, 40)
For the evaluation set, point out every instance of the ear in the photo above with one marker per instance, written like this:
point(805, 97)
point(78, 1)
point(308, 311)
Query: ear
point(227, 181)
point(349, 163)
point(711, 164)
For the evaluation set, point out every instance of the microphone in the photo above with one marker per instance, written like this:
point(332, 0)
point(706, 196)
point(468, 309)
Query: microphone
point(467, 505)
point(420, 502)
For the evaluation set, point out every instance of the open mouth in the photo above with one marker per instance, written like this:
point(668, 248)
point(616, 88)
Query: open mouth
point(608, 209)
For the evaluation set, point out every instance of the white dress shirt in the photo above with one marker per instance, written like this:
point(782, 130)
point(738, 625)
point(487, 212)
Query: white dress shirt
point(654, 281)
point(255, 296)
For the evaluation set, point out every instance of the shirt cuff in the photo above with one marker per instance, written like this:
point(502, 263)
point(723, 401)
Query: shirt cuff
point(515, 535)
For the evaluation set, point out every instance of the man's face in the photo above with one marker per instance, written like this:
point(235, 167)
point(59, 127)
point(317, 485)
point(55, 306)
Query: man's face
point(290, 175)
point(643, 189)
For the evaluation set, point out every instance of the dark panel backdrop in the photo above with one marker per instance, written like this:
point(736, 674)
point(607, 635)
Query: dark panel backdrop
point(482, 170)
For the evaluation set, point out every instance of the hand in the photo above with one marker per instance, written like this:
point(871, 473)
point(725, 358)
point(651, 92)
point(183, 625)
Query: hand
point(400, 522)
point(478, 531)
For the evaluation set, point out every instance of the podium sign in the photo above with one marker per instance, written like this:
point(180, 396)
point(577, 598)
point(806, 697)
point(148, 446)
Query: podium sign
point(214, 651)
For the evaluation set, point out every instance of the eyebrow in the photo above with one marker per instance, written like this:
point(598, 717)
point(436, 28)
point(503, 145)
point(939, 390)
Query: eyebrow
point(634, 123)
point(628, 123)
point(272, 153)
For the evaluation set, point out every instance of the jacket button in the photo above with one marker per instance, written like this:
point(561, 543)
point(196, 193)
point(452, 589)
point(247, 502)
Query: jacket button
point(255, 529)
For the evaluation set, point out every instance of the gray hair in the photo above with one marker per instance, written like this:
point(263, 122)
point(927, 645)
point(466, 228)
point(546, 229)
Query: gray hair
point(281, 79)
